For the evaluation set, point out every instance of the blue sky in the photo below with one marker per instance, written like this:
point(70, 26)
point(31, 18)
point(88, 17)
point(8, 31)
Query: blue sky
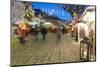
point(53, 10)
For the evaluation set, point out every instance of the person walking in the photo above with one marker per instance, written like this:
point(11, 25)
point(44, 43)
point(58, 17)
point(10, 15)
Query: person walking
point(43, 32)
point(22, 31)
point(58, 35)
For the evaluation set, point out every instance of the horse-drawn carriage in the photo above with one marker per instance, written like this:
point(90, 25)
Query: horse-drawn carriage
point(86, 34)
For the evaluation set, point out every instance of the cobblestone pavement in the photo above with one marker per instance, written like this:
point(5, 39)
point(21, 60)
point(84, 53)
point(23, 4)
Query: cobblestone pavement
point(37, 51)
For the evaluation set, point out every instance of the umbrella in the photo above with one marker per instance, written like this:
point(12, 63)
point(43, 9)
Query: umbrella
point(33, 23)
point(48, 25)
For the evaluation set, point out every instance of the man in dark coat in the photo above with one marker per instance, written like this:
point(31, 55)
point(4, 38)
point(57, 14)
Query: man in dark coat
point(43, 32)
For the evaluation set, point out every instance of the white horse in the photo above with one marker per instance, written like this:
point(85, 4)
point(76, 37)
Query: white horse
point(86, 30)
